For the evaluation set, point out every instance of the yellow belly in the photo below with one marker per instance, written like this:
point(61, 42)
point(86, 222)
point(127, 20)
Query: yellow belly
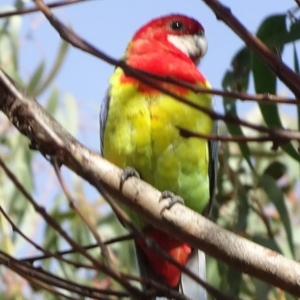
point(142, 132)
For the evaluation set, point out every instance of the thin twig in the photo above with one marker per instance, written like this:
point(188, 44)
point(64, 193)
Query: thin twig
point(28, 271)
point(70, 251)
point(279, 68)
point(262, 215)
point(107, 254)
point(36, 9)
point(38, 247)
point(97, 264)
point(237, 139)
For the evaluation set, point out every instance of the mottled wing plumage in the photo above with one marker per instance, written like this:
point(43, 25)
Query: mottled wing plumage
point(213, 147)
point(103, 117)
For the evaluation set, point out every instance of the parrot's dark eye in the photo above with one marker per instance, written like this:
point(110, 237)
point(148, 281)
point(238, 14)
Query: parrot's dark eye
point(201, 32)
point(176, 25)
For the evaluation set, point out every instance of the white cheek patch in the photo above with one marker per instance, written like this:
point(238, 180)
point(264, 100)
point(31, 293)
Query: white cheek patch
point(194, 46)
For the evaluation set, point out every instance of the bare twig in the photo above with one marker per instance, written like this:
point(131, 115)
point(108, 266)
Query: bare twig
point(107, 254)
point(35, 9)
point(237, 139)
point(282, 71)
point(28, 271)
point(46, 252)
point(298, 2)
point(48, 288)
point(97, 264)
point(70, 251)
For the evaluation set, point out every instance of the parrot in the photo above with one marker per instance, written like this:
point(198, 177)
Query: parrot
point(140, 128)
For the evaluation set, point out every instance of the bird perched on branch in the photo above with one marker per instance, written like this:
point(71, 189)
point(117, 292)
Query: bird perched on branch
point(140, 128)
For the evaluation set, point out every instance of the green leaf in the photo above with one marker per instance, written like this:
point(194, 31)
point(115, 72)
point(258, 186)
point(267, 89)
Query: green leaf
point(53, 101)
point(268, 243)
point(264, 79)
point(292, 35)
point(15, 24)
point(272, 29)
point(72, 114)
point(261, 289)
point(55, 68)
point(234, 280)
point(35, 79)
point(276, 169)
point(296, 69)
point(243, 207)
point(213, 276)
point(275, 195)
point(271, 32)
point(21, 165)
point(237, 79)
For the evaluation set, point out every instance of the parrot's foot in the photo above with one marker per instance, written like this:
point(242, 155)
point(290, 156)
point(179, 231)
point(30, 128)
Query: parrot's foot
point(127, 173)
point(173, 199)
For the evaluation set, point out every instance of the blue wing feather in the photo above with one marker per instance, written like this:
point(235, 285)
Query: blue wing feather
point(103, 117)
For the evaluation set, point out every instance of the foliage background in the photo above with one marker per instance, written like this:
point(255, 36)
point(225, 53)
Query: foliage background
point(258, 188)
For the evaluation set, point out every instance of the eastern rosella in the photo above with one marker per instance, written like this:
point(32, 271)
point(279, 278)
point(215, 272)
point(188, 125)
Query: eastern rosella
point(140, 128)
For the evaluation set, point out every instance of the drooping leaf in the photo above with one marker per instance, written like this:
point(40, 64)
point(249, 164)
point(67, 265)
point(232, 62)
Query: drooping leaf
point(36, 78)
point(60, 57)
point(237, 79)
point(261, 289)
point(52, 103)
point(269, 243)
point(275, 195)
point(234, 280)
point(271, 32)
point(290, 36)
point(297, 70)
point(276, 170)
point(71, 107)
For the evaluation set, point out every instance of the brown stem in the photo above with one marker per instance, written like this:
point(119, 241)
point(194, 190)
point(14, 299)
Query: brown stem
point(279, 68)
point(36, 9)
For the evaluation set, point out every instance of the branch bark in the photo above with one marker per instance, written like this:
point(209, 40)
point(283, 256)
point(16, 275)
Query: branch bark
point(51, 139)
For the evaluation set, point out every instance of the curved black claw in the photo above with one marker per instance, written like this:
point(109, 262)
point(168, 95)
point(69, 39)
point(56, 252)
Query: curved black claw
point(127, 173)
point(173, 199)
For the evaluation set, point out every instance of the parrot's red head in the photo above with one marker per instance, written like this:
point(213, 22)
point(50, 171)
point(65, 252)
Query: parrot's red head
point(176, 34)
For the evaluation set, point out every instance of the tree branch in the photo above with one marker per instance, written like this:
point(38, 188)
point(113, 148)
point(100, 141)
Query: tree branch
point(280, 69)
point(29, 118)
point(35, 9)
